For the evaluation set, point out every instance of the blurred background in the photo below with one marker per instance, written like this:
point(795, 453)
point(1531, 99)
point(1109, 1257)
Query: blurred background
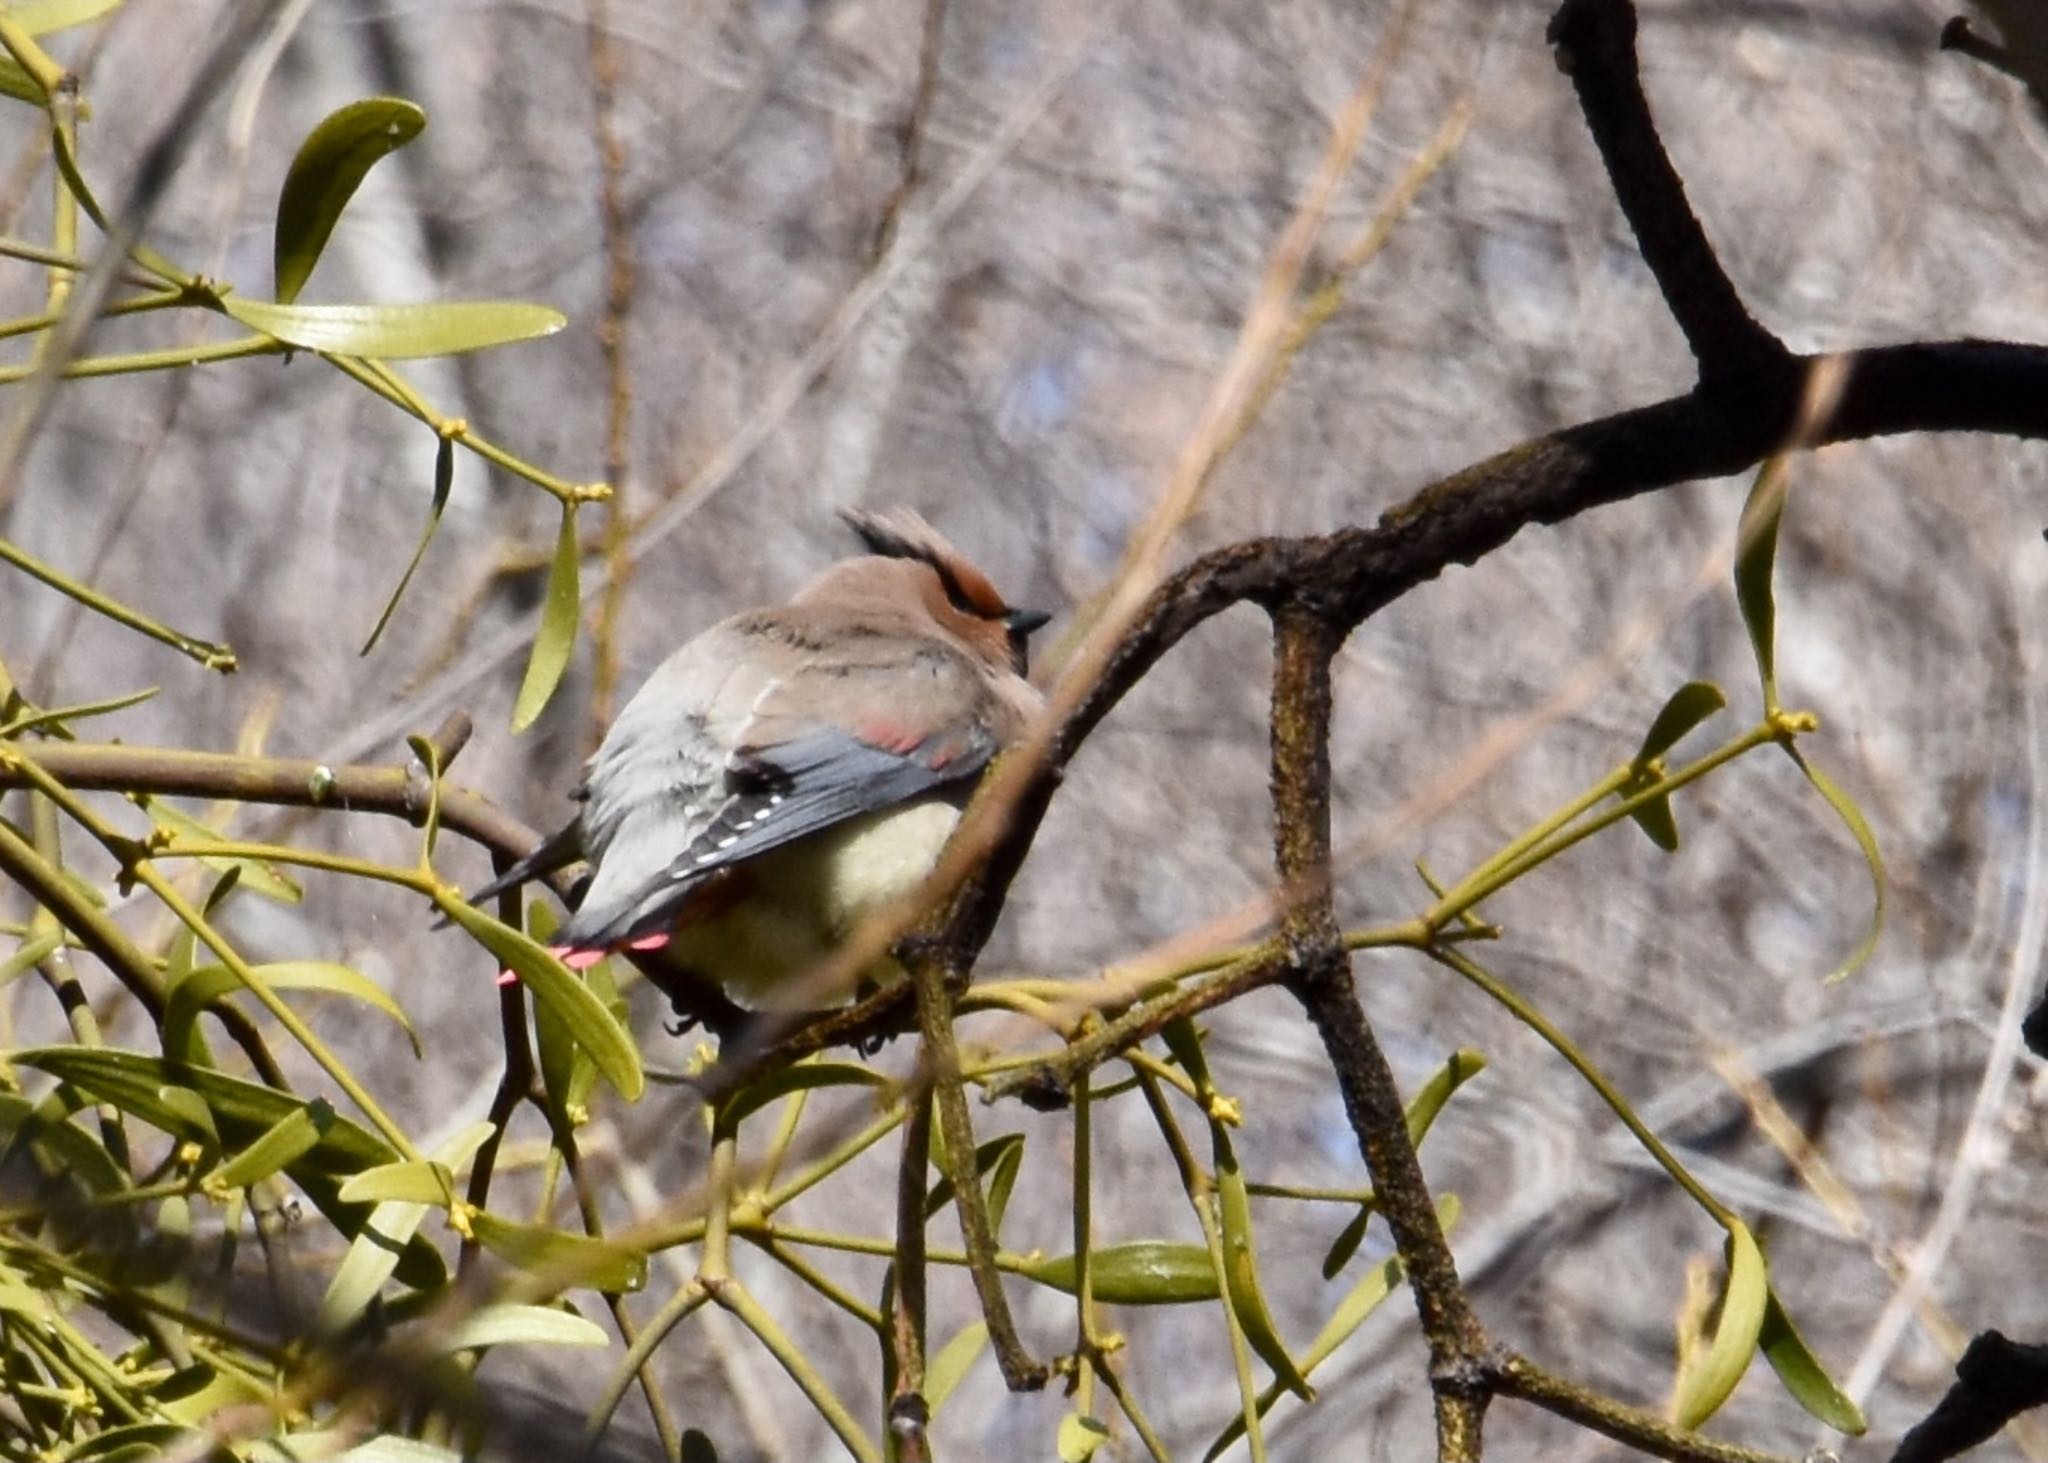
point(1097, 190)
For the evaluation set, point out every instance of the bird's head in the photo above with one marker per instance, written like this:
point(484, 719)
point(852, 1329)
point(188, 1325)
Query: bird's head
point(946, 583)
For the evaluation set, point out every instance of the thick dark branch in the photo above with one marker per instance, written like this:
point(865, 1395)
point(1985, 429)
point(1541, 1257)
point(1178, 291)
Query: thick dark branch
point(1596, 46)
point(1996, 1380)
point(1321, 979)
point(1713, 431)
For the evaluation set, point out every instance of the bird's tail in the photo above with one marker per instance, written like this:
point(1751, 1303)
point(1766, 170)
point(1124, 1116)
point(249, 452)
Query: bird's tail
point(563, 847)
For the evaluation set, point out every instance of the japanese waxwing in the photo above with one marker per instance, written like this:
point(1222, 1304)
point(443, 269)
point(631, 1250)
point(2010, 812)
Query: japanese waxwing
point(794, 768)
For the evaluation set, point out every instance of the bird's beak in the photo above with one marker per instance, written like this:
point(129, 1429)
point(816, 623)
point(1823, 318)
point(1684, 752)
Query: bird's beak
point(1023, 622)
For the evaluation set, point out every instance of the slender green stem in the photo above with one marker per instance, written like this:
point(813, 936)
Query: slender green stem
point(757, 1230)
point(1563, 1045)
point(31, 57)
point(135, 362)
point(1310, 1193)
point(303, 858)
point(63, 980)
point(1195, 1183)
point(816, 1173)
point(818, 1280)
point(379, 377)
point(1460, 898)
point(1526, 853)
point(593, 1223)
point(1085, 1345)
point(213, 657)
point(28, 253)
point(640, 1350)
point(717, 1264)
point(778, 1146)
point(30, 324)
point(1140, 1424)
point(751, 1314)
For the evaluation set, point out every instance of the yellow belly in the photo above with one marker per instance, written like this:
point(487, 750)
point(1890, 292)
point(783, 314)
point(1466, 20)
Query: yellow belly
point(802, 901)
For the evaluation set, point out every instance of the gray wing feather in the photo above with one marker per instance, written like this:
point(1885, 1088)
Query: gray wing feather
point(784, 793)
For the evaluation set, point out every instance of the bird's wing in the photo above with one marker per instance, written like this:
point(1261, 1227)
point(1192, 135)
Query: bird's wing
point(564, 846)
point(835, 736)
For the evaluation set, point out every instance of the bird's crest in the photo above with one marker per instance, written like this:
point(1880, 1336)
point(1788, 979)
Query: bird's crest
point(901, 533)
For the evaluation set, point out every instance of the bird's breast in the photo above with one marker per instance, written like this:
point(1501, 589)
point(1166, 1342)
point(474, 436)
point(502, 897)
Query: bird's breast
point(793, 907)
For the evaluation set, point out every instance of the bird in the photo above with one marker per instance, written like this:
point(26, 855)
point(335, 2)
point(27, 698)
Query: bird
point(795, 767)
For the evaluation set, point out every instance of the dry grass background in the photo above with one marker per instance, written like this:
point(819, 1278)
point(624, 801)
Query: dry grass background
point(1041, 348)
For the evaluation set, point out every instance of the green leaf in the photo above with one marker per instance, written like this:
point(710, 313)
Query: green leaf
point(1859, 829)
point(286, 1141)
point(330, 165)
point(188, 1111)
point(1241, 1268)
point(999, 1157)
point(1803, 1375)
point(388, 1232)
point(178, 960)
point(61, 1147)
point(1078, 1438)
point(1367, 1296)
point(423, 1182)
point(557, 634)
point(55, 717)
point(260, 877)
point(29, 954)
point(1705, 1385)
point(566, 1073)
point(807, 1077)
point(954, 1360)
point(1184, 1039)
point(1756, 553)
point(195, 1395)
point(17, 83)
point(405, 1256)
point(1691, 704)
point(134, 1441)
point(444, 479)
point(242, 1111)
point(397, 332)
point(41, 17)
point(1655, 817)
point(1142, 1273)
point(210, 984)
point(564, 1258)
point(1346, 1244)
point(521, 1325)
point(1459, 1068)
point(1002, 1177)
point(594, 1027)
